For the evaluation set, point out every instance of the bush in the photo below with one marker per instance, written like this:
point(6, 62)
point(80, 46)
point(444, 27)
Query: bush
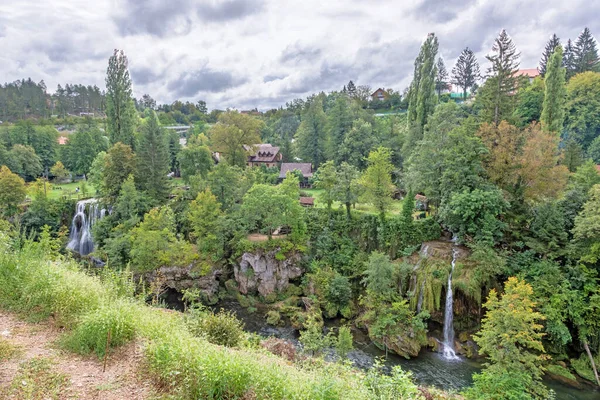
point(273, 318)
point(91, 334)
point(222, 328)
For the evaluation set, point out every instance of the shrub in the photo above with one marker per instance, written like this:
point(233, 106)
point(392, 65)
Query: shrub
point(222, 328)
point(91, 334)
point(273, 318)
point(344, 341)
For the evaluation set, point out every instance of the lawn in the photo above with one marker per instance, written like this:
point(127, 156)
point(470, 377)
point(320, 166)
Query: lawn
point(68, 190)
point(395, 208)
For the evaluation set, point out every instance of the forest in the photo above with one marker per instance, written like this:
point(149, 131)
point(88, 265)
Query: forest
point(464, 225)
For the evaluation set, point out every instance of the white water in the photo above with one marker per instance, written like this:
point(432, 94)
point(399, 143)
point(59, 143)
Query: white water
point(86, 215)
point(424, 253)
point(448, 344)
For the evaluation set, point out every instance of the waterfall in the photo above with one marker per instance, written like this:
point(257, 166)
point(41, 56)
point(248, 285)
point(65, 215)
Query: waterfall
point(424, 253)
point(86, 214)
point(448, 316)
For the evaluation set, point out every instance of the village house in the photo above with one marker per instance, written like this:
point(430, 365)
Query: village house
point(304, 168)
point(530, 73)
point(380, 94)
point(263, 154)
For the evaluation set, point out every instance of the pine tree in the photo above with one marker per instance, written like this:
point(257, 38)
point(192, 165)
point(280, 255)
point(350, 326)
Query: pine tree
point(553, 111)
point(351, 88)
point(585, 52)
point(441, 79)
point(466, 71)
point(339, 123)
point(503, 80)
point(120, 110)
point(311, 137)
point(569, 59)
point(548, 51)
point(153, 160)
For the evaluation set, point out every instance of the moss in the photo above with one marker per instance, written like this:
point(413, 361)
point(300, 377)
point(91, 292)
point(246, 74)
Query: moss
point(231, 286)
point(273, 318)
point(583, 367)
point(270, 298)
point(559, 370)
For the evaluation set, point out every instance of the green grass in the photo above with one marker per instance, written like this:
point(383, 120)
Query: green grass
point(8, 350)
point(395, 208)
point(37, 380)
point(67, 190)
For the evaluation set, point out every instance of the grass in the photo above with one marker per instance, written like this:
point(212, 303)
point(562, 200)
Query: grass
point(395, 208)
point(8, 350)
point(68, 190)
point(187, 366)
point(37, 380)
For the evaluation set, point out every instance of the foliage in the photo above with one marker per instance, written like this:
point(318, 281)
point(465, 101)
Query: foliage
point(203, 215)
point(120, 110)
point(346, 186)
point(379, 276)
point(232, 132)
point(551, 46)
point(553, 113)
point(311, 136)
point(59, 172)
point(37, 379)
point(466, 71)
point(583, 108)
point(344, 343)
point(12, 191)
point(221, 328)
point(195, 159)
point(152, 160)
point(377, 180)
point(326, 179)
point(119, 164)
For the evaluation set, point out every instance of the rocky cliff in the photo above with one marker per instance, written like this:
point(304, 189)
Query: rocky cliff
point(180, 279)
point(266, 273)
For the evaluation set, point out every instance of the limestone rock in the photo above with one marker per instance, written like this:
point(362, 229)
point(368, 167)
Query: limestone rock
point(179, 279)
point(262, 272)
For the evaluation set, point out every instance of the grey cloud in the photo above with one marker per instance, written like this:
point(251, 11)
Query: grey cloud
point(225, 10)
point(64, 49)
point(273, 77)
point(144, 75)
point(190, 84)
point(298, 53)
point(441, 10)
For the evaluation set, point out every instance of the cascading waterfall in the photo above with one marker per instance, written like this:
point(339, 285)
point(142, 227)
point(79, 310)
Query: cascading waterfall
point(448, 344)
point(86, 215)
point(424, 253)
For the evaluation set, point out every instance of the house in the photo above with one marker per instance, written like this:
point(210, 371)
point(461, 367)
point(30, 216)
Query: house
point(307, 201)
point(304, 168)
point(421, 202)
point(263, 154)
point(380, 95)
point(530, 73)
point(62, 140)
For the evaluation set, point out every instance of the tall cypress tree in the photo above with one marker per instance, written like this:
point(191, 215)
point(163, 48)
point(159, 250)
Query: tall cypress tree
point(548, 51)
point(441, 79)
point(466, 71)
point(311, 136)
point(585, 52)
point(553, 111)
point(120, 110)
point(339, 123)
point(153, 159)
point(569, 59)
point(503, 80)
point(421, 96)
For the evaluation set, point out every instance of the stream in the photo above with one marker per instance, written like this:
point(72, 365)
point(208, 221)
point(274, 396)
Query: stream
point(429, 368)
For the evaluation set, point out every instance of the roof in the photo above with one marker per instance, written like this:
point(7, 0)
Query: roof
point(62, 140)
point(530, 72)
point(420, 197)
point(262, 152)
point(304, 168)
point(307, 201)
point(383, 90)
point(598, 168)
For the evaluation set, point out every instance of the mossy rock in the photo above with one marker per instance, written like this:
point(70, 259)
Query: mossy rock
point(231, 286)
point(274, 318)
point(562, 374)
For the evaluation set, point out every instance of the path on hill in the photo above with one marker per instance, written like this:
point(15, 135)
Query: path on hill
point(86, 380)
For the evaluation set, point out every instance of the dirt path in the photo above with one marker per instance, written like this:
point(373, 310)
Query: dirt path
point(86, 379)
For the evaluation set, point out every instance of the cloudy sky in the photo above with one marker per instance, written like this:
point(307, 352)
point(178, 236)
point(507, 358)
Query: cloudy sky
point(262, 53)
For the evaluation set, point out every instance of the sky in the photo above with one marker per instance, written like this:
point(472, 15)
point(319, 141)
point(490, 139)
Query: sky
point(261, 53)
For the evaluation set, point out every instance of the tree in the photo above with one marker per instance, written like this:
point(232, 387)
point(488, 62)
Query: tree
point(357, 144)
point(12, 191)
point(569, 59)
point(339, 123)
point(224, 182)
point(587, 227)
point(351, 88)
point(120, 110)
point(25, 162)
point(59, 172)
point(232, 132)
point(585, 53)
point(82, 148)
point(311, 137)
point(498, 99)
point(553, 42)
point(530, 102)
point(504, 143)
point(203, 214)
point(511, 337)
point(441, 79)
point(583, 108)
point(326, 180)
point(377, 179)
point(466, 71)
point(148, 102)
point(44, 141)
point(379, 276)
point(195, 159)
point(346, 187)
point(119, 163)
point(153, 160)
point(555, 95)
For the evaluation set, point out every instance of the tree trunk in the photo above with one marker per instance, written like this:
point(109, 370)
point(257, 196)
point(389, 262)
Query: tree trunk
point(348, 209)
point(589, 353)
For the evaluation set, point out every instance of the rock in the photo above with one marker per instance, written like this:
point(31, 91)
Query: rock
point(180, 279)
point(406, 344)
point(262, 272)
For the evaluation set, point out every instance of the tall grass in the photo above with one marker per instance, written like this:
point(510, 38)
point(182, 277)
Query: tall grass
point(188, 366)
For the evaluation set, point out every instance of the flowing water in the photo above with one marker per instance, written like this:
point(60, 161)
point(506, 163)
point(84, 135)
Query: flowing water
point(86, 214)
point(448, 344)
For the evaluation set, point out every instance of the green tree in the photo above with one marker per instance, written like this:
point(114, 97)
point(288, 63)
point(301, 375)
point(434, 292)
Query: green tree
point(569, 59)
point(59, 172)
point(553, 42)
point(195, 159)
point(232, 132)
point(326, 181)
point(441, 78)
point(311, 137)
point(224, 181)
point(511, 337)
point(583, 108)
point(377, 179)
point(119, 163)
point(95, 175)
point(25, 162)
point(379, 276)
point(344, 343)
point(346, 189)
point(587, 227)
point(153, 160)
point(339, 123)
point(593, 150)
point(357, 144)
point(530, 102)
point(585, 53)
point(466, 71)
point(497, 98)
point(82, 148)
point(553, 113)
point(12, 191)
point(45, 143)
point(203, 214)
point(120, 110)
